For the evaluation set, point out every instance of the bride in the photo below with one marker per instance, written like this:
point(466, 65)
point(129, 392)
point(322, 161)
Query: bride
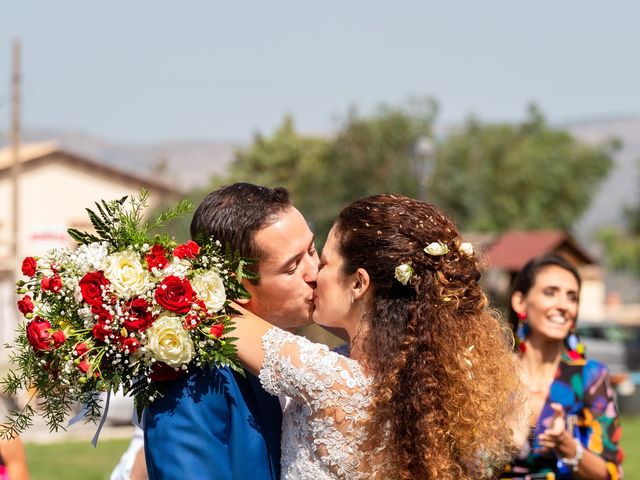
point(429, 386)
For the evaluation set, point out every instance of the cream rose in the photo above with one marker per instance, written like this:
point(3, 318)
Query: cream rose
point(466, 248)
point(170, 342)
point(126, 274)
point(436, 249)
point(404, 273)
point(210, 289)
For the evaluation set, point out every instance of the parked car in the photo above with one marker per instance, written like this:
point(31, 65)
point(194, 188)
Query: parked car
point(618, 346)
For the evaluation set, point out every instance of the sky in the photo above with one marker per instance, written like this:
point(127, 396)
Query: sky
point(146, 71)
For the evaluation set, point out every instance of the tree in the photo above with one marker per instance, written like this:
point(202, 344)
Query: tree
point(494, 177)
point(622, 246)
point(367, 155)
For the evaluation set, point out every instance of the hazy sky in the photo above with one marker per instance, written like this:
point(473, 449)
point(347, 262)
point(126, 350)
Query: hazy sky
point(145, 71)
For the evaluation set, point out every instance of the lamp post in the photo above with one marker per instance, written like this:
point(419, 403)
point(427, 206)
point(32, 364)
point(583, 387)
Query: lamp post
point(422, 155)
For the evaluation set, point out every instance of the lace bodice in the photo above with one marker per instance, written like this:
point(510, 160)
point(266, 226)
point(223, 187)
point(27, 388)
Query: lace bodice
point(323, 435)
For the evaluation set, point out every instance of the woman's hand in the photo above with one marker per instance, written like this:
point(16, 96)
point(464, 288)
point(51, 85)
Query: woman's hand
point(556, 436)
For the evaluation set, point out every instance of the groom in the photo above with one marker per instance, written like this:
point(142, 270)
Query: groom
point(216, 424)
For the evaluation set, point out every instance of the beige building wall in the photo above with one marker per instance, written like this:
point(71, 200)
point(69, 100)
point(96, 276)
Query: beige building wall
point(53, 195)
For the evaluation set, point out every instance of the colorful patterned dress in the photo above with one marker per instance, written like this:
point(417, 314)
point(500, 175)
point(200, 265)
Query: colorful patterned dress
point(582, 388)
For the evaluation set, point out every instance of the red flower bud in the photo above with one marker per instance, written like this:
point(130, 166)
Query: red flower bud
point(29, 266)
point(84, 366)
point(217, 330)
point(26, 305)
point(81, 349)
point(58, 338)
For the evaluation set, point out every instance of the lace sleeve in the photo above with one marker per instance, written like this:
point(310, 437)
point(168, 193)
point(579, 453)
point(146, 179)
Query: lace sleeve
point(307, 371)
point(324, 433)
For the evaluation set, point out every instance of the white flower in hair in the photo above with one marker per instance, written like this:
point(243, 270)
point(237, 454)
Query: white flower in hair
point(436, 249)
point(404, 273)
point(466, 248)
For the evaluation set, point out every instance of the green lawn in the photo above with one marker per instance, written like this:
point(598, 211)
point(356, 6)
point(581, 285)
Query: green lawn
point(80, 461)
point(74, 460)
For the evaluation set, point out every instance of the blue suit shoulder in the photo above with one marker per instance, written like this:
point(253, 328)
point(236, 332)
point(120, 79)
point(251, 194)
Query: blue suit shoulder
point(213, 424)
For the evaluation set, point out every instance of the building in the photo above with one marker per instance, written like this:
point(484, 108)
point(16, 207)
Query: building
point(512, 250)
point(54, 188)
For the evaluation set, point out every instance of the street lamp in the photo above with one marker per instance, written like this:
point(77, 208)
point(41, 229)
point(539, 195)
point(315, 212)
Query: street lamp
point(422, 155)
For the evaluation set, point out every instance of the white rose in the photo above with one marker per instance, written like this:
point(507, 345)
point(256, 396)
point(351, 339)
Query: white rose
point(126, 273)
point(436, 249)
point(404, 273)
point(210, 289)
point(170, 342)
point(466, 248)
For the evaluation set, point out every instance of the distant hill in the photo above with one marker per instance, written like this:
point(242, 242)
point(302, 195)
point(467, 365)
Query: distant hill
point(192, 163)
point(622, 187)
point(184, 163)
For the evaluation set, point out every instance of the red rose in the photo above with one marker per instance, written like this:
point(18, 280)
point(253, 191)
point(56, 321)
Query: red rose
point(58, 338)
point(25, 305)
point(217, 330)
point(84, 366)
point(156, 258)
point(137, 315)
point(188, 250)
point(101, 331)
point(130, 344)
point(29, 266)
point(39, 334)
point(53, 284)
point(161, 372)
point(92, 286)
point(101, 314)
point(175, 294)
point(81, 349)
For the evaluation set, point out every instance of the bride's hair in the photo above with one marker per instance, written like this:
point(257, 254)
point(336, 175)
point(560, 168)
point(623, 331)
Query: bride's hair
point(444, 381)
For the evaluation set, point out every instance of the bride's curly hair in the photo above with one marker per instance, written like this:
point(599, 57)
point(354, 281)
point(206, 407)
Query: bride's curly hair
point(444, 386)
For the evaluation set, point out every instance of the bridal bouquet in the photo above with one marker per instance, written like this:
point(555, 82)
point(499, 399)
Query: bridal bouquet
point(125, 310)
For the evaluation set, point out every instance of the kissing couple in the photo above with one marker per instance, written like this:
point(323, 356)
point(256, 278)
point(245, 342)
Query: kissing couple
point(426, 391)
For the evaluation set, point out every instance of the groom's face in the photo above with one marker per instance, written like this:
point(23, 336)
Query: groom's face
point(288, 268)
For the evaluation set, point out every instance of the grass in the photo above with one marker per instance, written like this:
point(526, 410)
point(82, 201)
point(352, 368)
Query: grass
point(80, 461)
point(631, 445)
point(74, 460)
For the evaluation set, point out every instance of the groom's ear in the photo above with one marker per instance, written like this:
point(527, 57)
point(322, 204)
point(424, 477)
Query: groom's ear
point(361, 283)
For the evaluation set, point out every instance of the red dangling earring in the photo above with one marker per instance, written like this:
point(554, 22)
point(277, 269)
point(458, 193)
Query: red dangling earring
point(522, 332)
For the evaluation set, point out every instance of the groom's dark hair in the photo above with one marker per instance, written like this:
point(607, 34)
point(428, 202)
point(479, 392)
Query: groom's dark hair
point(235, 213)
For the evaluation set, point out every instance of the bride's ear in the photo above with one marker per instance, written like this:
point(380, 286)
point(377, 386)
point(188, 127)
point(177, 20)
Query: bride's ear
point(360, 284)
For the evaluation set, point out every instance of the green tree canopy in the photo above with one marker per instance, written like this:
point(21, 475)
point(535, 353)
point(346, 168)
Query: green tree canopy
point(622, 245)
point(494, 177)
point(367, 155)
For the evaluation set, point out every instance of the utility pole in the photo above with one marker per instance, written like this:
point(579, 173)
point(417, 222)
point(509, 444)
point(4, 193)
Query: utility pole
point(15, 149)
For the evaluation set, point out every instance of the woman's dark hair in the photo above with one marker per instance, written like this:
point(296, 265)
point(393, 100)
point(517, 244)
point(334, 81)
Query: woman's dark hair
point(526, 278)
point(440, 358)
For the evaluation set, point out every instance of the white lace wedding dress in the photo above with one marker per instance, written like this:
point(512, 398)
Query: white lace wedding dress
point(322, 426)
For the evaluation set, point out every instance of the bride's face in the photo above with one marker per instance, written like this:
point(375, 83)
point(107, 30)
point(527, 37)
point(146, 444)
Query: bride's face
point(333, 294)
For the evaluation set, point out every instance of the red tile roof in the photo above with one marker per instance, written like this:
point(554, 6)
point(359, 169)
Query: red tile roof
point(515, 248)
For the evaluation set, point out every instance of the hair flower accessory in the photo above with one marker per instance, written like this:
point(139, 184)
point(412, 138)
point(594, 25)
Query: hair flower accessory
point(466, 248)
point(436, 249)
point(404, 273)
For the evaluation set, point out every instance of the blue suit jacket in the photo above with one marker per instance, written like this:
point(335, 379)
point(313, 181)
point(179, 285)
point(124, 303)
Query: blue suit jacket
point(214, 425)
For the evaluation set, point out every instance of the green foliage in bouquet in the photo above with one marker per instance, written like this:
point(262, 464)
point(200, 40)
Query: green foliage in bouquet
point(128, 309)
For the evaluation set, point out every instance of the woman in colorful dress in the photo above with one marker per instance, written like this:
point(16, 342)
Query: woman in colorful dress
point(573, 429)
